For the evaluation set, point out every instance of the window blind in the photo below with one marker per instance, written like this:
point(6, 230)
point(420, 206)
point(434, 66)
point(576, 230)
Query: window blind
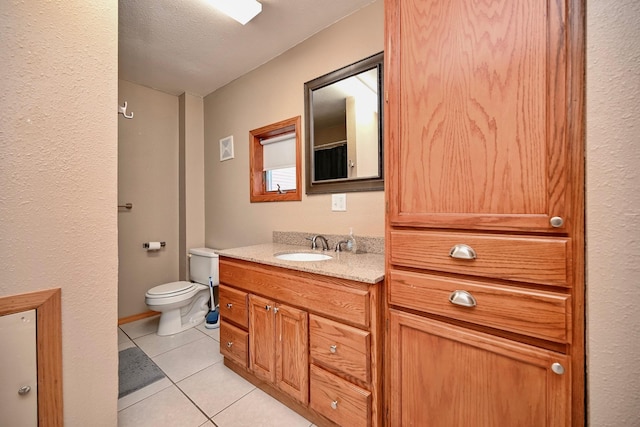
point(279, 152)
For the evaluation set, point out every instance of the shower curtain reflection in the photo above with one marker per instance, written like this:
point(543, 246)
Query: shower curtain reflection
point(330, 163)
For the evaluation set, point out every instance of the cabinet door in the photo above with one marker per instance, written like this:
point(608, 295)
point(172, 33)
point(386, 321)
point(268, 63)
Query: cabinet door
point(443, 375)
point(292, 352)
point(262, 338)
point(476, 114)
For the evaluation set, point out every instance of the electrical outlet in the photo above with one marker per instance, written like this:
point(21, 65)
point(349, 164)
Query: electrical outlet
point(339, 202)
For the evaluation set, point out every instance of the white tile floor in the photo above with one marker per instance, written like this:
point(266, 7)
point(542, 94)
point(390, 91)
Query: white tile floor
point(199, 390)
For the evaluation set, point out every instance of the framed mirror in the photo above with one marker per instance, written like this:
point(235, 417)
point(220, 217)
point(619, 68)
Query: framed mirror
point(343, 112)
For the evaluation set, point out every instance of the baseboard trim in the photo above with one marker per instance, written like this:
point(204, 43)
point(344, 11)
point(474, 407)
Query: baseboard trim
point(138, 316)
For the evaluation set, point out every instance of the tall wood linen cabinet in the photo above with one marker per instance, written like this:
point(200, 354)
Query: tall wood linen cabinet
point(484, 225)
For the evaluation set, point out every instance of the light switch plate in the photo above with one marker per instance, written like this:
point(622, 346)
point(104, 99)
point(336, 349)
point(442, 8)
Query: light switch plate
point(339, 202)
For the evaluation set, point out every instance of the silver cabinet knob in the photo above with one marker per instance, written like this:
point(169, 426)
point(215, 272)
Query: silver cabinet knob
point(462, 251)
point(275, 309)
point(229, 344)
point(557, 368)
point(267, 307)
point(334, 404)
point(25, 389)
point(556, 222)
point(333, 348)
point(462, 298)
point(229, 305)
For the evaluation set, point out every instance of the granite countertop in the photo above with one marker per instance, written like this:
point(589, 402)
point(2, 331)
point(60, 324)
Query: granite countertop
point(364, 267)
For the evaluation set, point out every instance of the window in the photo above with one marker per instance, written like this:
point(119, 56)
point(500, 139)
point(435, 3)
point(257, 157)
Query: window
point(279, 162)
point(281, 179)
point(275, 162)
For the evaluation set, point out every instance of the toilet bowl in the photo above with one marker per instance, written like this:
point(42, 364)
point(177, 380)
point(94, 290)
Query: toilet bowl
point(183, 305)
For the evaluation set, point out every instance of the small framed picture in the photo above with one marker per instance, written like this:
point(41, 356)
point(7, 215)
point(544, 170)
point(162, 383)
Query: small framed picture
point(226, 148)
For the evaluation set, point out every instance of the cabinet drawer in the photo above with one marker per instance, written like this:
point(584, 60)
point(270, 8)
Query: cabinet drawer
point(540, 314)
point(233, 305)
point(329, 296)
point(340, 347)
point(543, 260)
point(339, 400)
point(234, 343)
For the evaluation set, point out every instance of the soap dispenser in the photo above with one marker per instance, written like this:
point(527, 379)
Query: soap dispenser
point(351, 242)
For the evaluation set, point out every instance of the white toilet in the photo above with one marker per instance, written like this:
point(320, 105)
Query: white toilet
point(183, 305)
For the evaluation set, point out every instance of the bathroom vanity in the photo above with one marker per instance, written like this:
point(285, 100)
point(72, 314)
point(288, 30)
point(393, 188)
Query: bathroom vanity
point(307, 333)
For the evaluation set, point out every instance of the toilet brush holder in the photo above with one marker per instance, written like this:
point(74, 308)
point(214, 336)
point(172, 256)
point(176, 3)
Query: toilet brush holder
point(212, 320)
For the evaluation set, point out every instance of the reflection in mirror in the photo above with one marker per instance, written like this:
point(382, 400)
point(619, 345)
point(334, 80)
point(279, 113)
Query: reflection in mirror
point(344, 129)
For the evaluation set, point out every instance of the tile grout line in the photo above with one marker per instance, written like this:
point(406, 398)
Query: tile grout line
point(185, 394)
point(234, 402)
point(171, 349)
point(171, 380)
point(177, 386)
point(150, 358)
point(175, 348)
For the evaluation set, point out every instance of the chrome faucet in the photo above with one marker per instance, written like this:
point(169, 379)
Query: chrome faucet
point(314, 244)
point(339, 245)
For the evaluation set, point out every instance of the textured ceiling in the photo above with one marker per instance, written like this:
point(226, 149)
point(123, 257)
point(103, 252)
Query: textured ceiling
point(188, 46)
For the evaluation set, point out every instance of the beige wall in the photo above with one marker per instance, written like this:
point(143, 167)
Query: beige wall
point(148, 178)
point(58, 177)
point(613, 201)
point(613, 212)
point(274, 92)
point(191, 177)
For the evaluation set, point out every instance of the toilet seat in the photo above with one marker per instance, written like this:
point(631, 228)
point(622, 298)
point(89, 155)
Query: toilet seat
point(172, 289)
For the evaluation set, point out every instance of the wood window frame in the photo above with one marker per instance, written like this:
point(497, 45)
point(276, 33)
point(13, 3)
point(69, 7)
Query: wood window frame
point(258, 189)
point(48, 348)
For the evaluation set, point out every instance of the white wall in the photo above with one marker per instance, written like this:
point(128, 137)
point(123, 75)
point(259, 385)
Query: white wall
point(58, 178)
point(613, 212)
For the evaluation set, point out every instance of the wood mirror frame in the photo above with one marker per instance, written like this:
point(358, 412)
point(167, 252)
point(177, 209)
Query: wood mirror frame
point(48, 347)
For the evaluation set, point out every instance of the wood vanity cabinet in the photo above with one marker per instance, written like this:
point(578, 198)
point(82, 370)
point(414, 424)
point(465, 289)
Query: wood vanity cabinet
point(484, 225)
point(314, 341)
point(278, 335)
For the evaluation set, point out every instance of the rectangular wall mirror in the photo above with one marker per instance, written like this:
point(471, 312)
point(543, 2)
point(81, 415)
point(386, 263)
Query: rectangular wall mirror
point(343, 112)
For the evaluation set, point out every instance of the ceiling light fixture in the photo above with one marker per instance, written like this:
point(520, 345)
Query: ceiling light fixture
point(242, 11)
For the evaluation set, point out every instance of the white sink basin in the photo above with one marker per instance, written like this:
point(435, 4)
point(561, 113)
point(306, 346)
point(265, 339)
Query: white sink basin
point(303, 256)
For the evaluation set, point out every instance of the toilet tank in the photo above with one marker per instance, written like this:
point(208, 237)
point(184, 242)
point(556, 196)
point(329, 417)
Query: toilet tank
point(202, 265)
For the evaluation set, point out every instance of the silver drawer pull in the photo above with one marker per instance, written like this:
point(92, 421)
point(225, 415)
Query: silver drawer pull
point(25, 389)
point(556, 222)
point(229, 344)
point(229, 305)
point(461, 251)
point(333, 348)
point(463, 298)
point(334, 404)
point(557, 368)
